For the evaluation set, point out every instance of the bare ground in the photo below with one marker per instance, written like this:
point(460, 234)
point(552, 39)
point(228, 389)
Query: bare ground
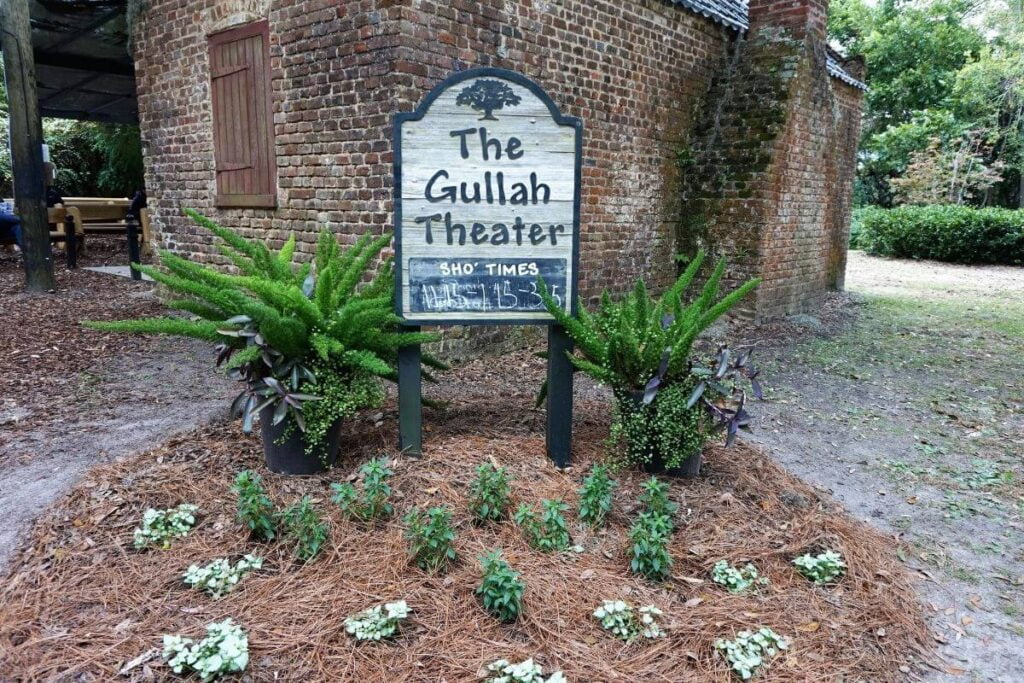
point(911, 413)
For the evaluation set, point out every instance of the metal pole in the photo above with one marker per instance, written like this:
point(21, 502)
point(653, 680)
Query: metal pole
point(559, 427)
point(133, 245)
point(410, 400)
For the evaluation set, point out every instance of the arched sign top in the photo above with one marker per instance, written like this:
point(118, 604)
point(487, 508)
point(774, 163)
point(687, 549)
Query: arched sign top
point(487, 195)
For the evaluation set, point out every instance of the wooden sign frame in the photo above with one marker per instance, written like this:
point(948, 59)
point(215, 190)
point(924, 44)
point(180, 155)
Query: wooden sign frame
point(560, 371)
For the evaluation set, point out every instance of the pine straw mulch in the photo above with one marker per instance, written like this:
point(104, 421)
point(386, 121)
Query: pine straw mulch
point(80, 603)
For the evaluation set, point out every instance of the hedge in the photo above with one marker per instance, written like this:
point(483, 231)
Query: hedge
point(958, 234)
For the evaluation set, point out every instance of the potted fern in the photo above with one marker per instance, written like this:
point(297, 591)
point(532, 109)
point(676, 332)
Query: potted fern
point(311, 342)
point(666, 404)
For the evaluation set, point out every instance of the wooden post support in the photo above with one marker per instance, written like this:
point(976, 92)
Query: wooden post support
point(410, 406)
point(133, 246)
point(559, 427)
point(70, 242)
point(26, 144)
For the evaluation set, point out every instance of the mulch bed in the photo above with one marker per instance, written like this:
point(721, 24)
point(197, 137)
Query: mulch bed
point(42, 345)
point(79, 602)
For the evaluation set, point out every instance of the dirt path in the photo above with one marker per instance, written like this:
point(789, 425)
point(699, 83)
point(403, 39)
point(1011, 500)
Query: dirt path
point(913, 417)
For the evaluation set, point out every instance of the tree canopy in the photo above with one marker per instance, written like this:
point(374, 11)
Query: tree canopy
point(943, 113)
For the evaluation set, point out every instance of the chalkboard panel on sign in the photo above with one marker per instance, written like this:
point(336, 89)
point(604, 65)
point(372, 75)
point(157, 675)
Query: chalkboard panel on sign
point(483, 285)
point(487, 178)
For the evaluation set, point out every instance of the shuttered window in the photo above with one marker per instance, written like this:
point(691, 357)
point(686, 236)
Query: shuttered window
point(243, 127)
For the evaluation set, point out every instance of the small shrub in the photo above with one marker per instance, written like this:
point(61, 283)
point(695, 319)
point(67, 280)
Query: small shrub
point(501, 589)
point(431, 538)
point(224, 650)
point(751, 650)
point(490, 491)
point(958, 234)
point(654, 498)
point(550, 532)
point(160, 527)
point(622, 621)
point(524, 672)
point(303, 524)
point(219, 577)
point(372, 503)
point(649, 536)
point(377, 622)
point(254, 507)
point(736, 580)
point(823, 568)
point(596, 496)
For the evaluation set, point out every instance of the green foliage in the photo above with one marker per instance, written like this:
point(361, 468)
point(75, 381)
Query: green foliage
point(377, 622)
point(736, 580)
point(224, 650)
point(431, 538)
point(596, 496)
point(668, 427)
point(303, 525)
point(822, 568)
point(624, 343)
point(310, 340)
point(160, 527)
point(220, 577)
point(255, 510)
point(489, 493)
point(372, 503)
point(622, 621)
point(501, 589)
point(654, 499)
point(527, 671)
point(548, 532)
point(750, 651)
point(649, 536)
point(958, 234)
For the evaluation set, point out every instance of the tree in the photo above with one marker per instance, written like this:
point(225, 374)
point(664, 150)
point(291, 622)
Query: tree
point(487, 96)
point(951, 173)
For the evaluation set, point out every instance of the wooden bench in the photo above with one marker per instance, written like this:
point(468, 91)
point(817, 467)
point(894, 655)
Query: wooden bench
point(106, 215)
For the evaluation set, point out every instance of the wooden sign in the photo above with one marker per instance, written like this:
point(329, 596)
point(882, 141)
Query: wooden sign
point(487, 189)
point(487, 201)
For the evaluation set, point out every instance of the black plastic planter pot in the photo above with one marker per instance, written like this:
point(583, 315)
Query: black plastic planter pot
point(288, 455)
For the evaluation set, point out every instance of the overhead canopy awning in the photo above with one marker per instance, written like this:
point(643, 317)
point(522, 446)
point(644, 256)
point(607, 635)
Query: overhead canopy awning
point(83, 66)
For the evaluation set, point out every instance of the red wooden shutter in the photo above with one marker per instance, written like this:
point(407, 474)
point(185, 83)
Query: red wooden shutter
point(243, 124)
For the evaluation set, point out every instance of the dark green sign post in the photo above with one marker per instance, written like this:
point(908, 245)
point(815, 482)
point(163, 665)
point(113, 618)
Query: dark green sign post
point(487, 201)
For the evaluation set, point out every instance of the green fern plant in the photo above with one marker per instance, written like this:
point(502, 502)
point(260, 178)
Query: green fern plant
point(642, 347)
point(310, 340)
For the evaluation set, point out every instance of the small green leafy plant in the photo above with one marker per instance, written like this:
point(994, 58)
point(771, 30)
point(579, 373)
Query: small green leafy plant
point(654, 498)
point(549, 532)
point(489, 493)
point(220, 577)
point(649, 537)
point(255, 510)
point(224, 650)
point(823, 568)
point(160, 527)
point(528, 671)
point(736, 580)
point(751, 650)
point(431, 538)
point(372, 503)
point(623, 622)
point(596, 496)
point(302, 524)
point(501, 589)
point(377, 622)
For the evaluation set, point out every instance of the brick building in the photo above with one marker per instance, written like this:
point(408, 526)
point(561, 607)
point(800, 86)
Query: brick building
point(706, 123)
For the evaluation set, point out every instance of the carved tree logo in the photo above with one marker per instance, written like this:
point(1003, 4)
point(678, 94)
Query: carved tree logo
point(487, 96)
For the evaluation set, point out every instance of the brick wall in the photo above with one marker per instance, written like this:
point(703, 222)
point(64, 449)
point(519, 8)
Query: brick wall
point(670, 100)
point(635, 73)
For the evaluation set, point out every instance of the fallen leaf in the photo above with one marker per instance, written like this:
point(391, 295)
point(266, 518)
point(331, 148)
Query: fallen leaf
point(587, 574)
point(967, 621)
point(809, 627)
point(693, 602)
